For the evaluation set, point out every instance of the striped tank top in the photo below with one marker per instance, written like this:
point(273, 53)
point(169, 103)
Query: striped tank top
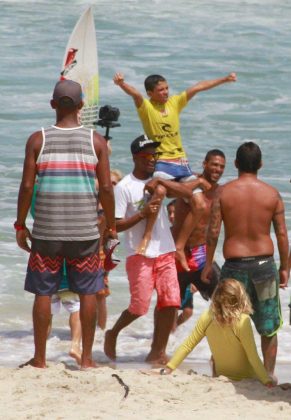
point(66, 198)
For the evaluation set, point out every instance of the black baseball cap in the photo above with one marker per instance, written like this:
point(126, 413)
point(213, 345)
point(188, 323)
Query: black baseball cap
point(141, 143)
point(68, 89)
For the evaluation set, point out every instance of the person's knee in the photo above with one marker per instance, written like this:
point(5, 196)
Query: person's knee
point(138, 311)
point(269, 340)
point(160, 192)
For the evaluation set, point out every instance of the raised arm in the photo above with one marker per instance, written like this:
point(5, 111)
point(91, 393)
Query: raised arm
point(282, 241)
point(209, 84)
point(178, 189)
point(128, 89)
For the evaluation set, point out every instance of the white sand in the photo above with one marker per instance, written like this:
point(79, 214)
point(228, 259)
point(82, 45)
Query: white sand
point(64, 393)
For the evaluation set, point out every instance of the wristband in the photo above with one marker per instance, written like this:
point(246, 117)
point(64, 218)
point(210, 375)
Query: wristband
point(18, 226)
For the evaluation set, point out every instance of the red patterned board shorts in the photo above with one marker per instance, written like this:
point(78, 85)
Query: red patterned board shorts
point(45, 267)
point(145, 275)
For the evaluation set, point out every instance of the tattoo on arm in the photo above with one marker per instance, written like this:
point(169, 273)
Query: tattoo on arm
point(215, 223)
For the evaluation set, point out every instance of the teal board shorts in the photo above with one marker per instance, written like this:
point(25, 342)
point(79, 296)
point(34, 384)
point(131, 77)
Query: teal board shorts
point(260, 278)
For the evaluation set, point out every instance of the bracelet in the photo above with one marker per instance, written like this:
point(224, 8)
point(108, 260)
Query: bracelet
point(163, 371)
point(18, 226)
point(111, 230)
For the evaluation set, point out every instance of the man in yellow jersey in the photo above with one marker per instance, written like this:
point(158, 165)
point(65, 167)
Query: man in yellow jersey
point(159, 116)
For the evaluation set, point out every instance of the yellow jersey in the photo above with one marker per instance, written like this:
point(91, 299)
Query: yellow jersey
point(233, 348)
point(161, 123)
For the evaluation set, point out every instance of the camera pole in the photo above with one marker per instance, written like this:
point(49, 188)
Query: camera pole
point(107, 117)
point(106, 136)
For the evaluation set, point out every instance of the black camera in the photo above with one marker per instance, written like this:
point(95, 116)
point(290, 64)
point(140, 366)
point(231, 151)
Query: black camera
point(108, 115)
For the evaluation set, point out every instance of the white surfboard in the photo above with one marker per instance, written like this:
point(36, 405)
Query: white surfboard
point(81, 65)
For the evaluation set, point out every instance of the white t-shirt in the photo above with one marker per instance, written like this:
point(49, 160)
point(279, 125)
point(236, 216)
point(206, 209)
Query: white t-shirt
point(129, 200)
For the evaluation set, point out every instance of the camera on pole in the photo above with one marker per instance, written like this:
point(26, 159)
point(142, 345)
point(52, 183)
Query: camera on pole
point(108, 117)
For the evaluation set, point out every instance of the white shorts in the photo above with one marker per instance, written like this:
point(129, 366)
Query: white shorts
point(69, 300)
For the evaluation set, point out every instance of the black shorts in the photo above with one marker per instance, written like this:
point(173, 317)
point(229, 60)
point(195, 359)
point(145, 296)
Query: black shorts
point(206, 289)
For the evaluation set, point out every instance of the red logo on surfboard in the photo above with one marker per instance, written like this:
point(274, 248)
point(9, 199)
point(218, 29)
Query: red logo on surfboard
point(70, 62)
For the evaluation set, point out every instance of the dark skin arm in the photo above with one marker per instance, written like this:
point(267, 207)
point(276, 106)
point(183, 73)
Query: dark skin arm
point(32, 150)
point(282, 241)
point(212, 237)
point(178, 189)
point(149, 208)
point(106, 194)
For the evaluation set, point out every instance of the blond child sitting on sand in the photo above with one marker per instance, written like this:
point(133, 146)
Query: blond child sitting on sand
point(227, 327)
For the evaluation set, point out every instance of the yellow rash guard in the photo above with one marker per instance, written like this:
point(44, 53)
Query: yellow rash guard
point(233, 348)
point(161, 123)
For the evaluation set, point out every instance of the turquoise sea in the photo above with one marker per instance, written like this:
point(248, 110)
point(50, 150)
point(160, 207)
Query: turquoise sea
point(186, 41)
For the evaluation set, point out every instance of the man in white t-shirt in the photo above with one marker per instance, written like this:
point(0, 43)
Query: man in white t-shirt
point(154, 270)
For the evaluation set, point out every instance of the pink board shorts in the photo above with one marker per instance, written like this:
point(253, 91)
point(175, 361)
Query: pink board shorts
point(145, 275)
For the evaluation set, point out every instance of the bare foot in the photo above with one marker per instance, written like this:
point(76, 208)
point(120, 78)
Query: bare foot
point(274, 378)
point(181, 257)
point(110, 345)
point(89, 364)
point(142, 247)
point(33, 363)
point(157, 359)
point(75, 353)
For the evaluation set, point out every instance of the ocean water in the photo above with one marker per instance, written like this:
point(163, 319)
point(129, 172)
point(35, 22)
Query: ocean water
point(186, 41)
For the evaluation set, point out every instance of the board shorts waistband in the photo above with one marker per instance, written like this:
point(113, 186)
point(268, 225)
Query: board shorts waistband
point(249, 259)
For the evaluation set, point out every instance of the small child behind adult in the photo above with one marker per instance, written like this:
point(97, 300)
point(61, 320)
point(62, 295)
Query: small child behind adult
point(71, 303)
point(115, 175)
point(187, 299)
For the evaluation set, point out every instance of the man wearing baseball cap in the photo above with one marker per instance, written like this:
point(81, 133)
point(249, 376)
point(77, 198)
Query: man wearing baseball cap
point(66, 158)
point(67, 93)
point(154, 270)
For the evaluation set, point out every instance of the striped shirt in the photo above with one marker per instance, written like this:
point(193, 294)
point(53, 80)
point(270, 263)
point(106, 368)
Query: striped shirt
point(66, 198)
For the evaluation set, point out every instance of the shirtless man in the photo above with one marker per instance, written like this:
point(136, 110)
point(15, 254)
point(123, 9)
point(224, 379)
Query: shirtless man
point(195, 251)
point(248, 207)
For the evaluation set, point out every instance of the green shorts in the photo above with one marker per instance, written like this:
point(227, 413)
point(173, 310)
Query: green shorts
point(260, 278)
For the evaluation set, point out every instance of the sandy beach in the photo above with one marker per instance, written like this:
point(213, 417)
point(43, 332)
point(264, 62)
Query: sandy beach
point(61, 392)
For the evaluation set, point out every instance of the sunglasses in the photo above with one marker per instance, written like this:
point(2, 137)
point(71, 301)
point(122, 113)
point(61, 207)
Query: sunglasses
point(149, 156)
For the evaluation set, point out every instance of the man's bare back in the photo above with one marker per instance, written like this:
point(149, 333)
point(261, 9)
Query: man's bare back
point(247, 207)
